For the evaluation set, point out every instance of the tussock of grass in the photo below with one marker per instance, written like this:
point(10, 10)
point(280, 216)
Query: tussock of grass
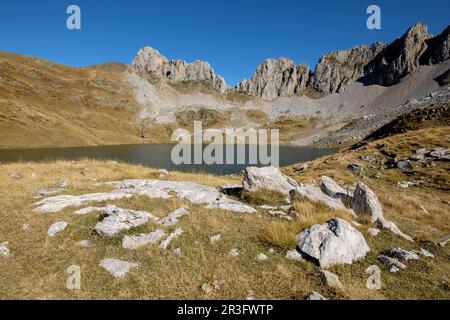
point(264, 197)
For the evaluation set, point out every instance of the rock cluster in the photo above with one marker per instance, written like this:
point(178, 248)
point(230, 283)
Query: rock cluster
point(363, 201)
point(154, 65)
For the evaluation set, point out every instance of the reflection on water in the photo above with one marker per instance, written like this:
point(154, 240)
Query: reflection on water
point(153, 155)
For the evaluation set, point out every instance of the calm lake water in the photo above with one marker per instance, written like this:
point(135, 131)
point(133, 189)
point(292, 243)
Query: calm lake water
point(154, 156)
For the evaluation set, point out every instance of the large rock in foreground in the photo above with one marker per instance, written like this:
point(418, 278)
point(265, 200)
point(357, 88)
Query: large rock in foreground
point(270, 178)
point(331, 243)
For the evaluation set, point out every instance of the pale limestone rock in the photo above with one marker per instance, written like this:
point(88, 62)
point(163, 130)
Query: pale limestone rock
point(89, 210)
point(270, 178)
point(117, 268)
point(402, 254)
point(165, 243)
point(119, 220)
point(335, 242)
point(172, 218)
point(391, 262)
point(58, 203)
point(56, 228)
point(193, 192)
point(137, 241)
point(374, 232)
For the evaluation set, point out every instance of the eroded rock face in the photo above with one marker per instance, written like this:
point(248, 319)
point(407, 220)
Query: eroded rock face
point(150, 62)
point(400, 58)
point(336, 70)
point(438, 48)
point(331, 243)
point(276, 78)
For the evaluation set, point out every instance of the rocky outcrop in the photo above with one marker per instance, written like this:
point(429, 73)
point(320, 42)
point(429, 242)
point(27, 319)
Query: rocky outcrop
point(154, 65)
point(400, 58)
point(337, 69)
point(270, 178)
point(276, 78)
point(118, 220)
point(331, 243)
point(365, 203)
point(196, 193)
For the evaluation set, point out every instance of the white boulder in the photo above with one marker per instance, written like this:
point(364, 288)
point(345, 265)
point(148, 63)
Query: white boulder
point(334, 242)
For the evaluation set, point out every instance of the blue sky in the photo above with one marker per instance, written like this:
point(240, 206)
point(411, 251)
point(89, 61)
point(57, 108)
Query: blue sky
point(233, 35)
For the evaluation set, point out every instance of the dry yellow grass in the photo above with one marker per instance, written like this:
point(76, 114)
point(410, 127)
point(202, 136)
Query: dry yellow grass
point(37, 267)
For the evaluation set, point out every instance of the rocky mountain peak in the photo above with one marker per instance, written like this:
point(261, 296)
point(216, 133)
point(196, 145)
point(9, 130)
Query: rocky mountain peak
point(337, 69)
point(400, 58)
point(153, 64)
point(276, 78)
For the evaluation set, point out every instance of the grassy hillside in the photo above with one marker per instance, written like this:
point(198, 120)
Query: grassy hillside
point(37, 266)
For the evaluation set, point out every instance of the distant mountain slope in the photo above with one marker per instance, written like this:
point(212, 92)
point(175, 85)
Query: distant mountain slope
point(47, 104)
